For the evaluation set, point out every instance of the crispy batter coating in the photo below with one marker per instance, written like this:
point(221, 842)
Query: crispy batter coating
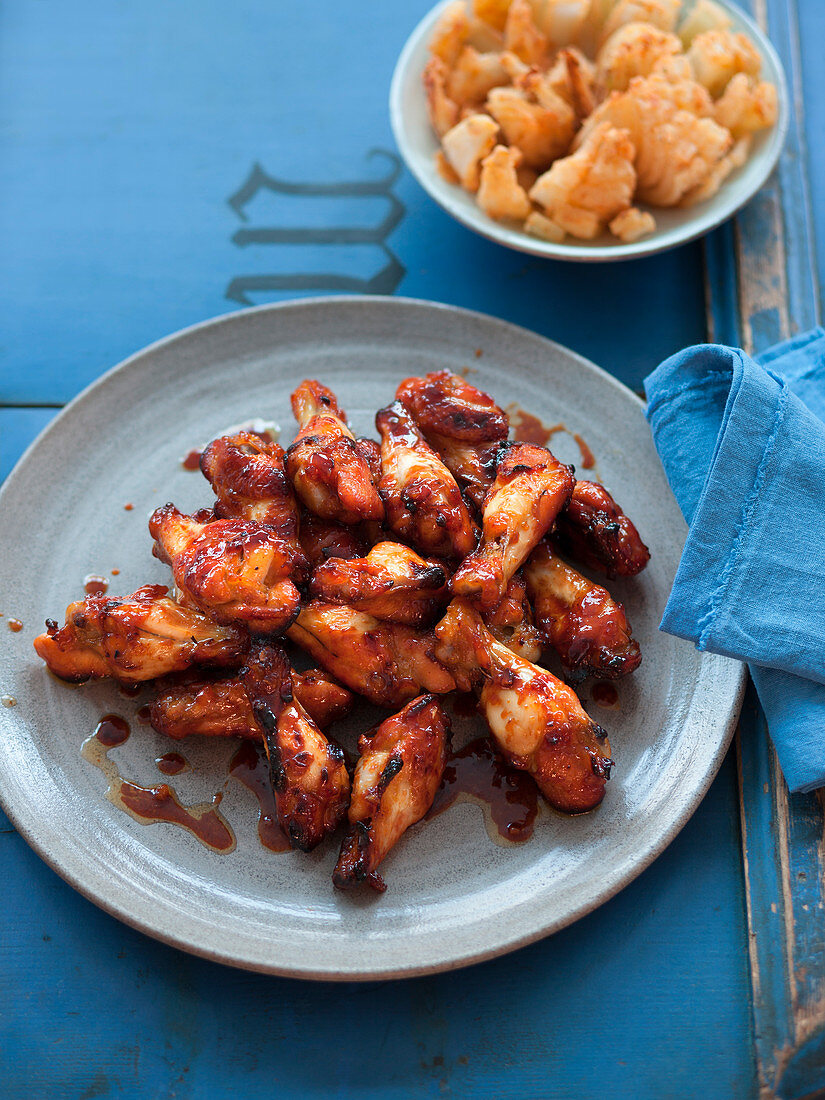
point(466, 145)
point(463, 424)
point(705, 15)
point(221, 707)
point(234, 570)
point(521, 35)
point(530, 489)
point(717, 55)
point(579, 619)
point(395, 783)
point(442, 110)
point(542, 132)
point(473, 76)
point(422, 500)
point(328, 469)
point(583, 192)
point(450, 33)
point(308, 771)
point(661, 14)
point(573, 77)
point(135, 638)
point(392, 583)
point(492, 12)
point(537, 721)
point(632, 50)
point(500, 195)
point(746, 106)
point(248, 475)
point(632, 224)
point(595, 531)
point(387, 663)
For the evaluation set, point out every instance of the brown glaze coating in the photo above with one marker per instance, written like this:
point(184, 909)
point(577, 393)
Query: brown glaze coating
point(221, 708)
point(387, 663)
point(392, 583)
point(537, 721)
point(530, 489)
point(327, 468)
point(595, 531)
point(511, 622)
point(579, 619)
point(308, 772)
point(423, 501)
point(396, 779)
point(248, 475)
point(463, 424)
point(235, 570)
point(322, 539)
point(134, 638)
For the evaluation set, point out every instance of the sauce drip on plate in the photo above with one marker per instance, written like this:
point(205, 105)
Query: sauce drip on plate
point(171, 763)
point(15, 626)
point(529, 429)
point(150, 804)
point(509, 798)
point(605, 694)
point(250, 766)
point(94, 585)
point(192, 461)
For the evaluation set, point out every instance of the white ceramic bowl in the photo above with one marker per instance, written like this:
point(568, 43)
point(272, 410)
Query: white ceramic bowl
point(418, 144)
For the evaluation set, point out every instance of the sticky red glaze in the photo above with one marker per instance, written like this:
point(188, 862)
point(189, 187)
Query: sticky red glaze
point(15, 626)
point(529, 429)
point(171, 763)
point(161, 804)
point(128, 507)
point(249, 766)
point(588, 460)
point(192, 461)
point(479, 771)
point(95, 585)
point(605, 695)
point(112, 730)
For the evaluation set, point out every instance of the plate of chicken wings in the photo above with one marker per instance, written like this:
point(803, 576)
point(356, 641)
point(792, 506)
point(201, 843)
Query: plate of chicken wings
point(372, 687)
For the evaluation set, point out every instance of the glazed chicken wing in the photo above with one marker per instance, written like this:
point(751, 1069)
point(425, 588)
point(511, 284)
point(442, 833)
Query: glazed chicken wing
point(135, 638)
point(234, 570)
point(248, 475)
point(328, 469)
point(511, 622)
point(423, 502)
point(530, 489)
point(579, 619)
point(322, 539)
point(388, 663)
point(595, 531)
point(221, 708)
point(395, 783)
point(308, 772)
point(463, 424)
point(537, 721)
point(392, 583)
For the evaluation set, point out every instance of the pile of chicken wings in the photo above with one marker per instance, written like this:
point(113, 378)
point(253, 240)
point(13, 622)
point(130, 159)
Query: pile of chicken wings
point(406, 570)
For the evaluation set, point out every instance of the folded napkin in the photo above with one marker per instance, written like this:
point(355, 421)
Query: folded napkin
point(743, 446)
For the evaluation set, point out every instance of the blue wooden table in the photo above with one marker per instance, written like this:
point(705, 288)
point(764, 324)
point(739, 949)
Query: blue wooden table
point(163, 163)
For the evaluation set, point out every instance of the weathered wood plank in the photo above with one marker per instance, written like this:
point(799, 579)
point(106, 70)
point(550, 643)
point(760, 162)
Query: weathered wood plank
point(768, 257)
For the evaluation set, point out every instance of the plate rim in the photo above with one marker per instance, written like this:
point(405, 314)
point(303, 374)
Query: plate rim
point(520, 241)
point(62, 860)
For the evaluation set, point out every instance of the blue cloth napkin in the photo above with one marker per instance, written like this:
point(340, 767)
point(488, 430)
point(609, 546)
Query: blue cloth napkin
point(743, 446)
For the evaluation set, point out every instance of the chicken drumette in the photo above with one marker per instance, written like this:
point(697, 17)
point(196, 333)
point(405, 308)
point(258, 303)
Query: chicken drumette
point(530, 489)
point(579, 619)
point(392, 583)
point(308, 771)
point(221, 707)
point(233, 569)
point(536, 720)
point(595, 531)
point(387, 663)
point(423, 502)
point(395, 783)
point(328, 468)
point(135, 638)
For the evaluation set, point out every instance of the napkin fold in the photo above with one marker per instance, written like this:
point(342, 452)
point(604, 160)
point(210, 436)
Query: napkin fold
point(742, 442)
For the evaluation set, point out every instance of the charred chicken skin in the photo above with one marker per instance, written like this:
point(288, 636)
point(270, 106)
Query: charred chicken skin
point(537, 721)
point(234, 570)
point(511, 622)
point(387, 663)
point(327, 468)
point(395, 783)
point(135, 638)
point(463, 424)
point(530, 489)
point(308, 772)
point(392, 583)
point(322, 539)
point(423, 502)
point(221, 707)
point(579, 619)
point(248, 476)
point(595, 531)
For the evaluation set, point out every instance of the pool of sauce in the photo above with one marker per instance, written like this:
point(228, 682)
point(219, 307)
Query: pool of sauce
point(529, 429)
point(509, 798)
point(15, 626)
point(465, 704)
point(604, 694)
point(8, 701)
point(171, 763)
point(250, 767)
point(94, 585)
point(588, 460)
point(128, 507)
point(150, 804)
point(192, 461)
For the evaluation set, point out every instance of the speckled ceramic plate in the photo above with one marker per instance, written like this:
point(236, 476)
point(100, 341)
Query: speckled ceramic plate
point(454, 896)
point(418, 144)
